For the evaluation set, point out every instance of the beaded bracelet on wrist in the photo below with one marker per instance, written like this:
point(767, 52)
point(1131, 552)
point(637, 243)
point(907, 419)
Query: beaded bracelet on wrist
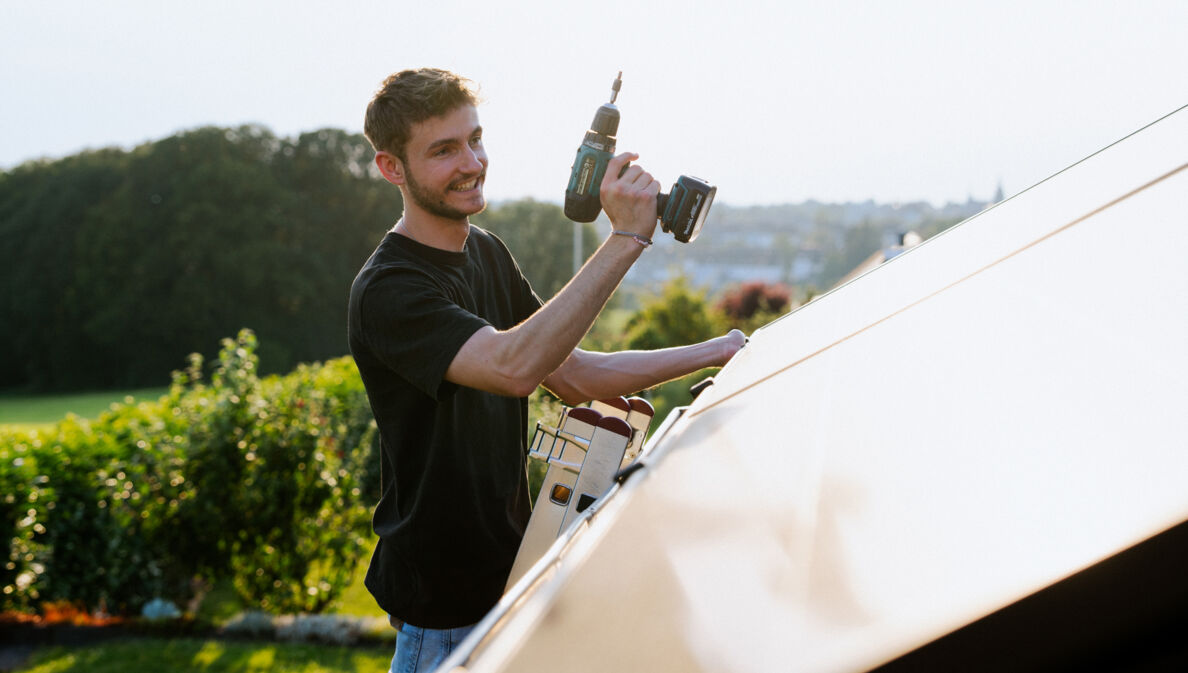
point(642, 240)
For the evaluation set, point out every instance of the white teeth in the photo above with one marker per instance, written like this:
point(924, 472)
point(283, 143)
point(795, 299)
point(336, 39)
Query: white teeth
point(466, 186)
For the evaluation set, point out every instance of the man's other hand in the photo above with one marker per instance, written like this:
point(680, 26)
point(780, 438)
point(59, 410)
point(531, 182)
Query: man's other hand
point(731, 343)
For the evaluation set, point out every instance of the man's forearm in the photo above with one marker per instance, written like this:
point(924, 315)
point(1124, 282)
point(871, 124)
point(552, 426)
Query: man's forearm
point(589, 376)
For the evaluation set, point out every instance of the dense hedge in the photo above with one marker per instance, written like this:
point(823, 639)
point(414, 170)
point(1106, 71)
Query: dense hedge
point(264, 481)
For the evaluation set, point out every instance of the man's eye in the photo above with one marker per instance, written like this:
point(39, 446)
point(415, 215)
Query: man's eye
point(476, 141)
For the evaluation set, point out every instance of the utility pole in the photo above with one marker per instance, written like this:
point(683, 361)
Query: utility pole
point(577, 247)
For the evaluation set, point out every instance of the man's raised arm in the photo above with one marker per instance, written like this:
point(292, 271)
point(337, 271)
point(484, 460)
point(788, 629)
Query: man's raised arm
point(515, 361)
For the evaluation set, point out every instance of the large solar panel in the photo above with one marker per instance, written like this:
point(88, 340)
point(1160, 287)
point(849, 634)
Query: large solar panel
point(927, 451)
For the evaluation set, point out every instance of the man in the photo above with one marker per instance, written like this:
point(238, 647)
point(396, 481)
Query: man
point(450, 340)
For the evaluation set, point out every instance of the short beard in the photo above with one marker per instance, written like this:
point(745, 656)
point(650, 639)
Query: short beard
point(431, 203)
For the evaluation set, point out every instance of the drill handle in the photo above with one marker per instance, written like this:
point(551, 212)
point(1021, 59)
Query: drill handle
point(661, 204)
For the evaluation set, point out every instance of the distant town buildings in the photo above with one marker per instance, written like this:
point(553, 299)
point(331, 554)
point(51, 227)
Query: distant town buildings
point(809, 244)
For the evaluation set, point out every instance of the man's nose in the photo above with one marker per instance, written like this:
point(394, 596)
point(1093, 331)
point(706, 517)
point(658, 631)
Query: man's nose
point(476, 159)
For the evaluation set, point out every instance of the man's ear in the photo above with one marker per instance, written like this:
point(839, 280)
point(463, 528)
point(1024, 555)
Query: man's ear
point(390, 166)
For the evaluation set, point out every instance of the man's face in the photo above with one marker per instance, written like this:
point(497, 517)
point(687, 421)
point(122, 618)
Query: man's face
point(446, 164)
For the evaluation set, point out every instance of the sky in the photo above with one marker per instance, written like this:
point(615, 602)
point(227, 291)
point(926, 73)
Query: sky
point(772, 102)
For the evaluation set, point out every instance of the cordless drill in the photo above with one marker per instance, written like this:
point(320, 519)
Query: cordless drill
point(682, 211)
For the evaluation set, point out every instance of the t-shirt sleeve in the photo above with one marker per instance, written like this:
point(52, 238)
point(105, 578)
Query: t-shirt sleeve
point(414, 329)
point(527, 301)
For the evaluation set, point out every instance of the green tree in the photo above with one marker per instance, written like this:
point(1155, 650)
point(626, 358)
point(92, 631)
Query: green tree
point(117, 264)
point(680, 315)
point(43, 205)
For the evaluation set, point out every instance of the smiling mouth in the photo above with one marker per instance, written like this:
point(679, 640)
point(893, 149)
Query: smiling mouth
point(466, 186)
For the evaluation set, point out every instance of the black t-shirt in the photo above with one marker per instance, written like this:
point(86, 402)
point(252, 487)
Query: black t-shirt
point(455, 491)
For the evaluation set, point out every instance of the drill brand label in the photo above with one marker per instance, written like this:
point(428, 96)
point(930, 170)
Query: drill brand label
point(586, 174)
point(692, 212)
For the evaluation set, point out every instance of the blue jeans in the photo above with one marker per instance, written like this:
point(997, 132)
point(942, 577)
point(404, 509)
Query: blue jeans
point(422, 650)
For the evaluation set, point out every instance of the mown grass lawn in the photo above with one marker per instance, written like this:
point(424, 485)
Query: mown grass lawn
point(183, 655)
point(39, 412)
point(356, 600)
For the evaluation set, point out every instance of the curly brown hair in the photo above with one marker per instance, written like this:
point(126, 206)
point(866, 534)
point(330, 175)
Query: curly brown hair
point(409, 97)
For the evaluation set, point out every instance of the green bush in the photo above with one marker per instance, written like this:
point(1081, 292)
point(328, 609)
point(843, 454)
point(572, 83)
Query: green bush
point(681, 315)
point(265, 482)
point(18, 474)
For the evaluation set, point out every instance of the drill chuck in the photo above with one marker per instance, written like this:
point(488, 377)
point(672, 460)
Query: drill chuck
point(582, 202)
